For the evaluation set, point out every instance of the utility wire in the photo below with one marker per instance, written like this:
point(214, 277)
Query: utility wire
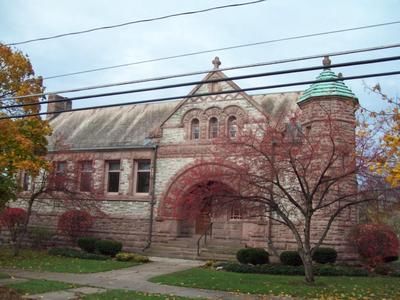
point(136, 22)
point(233, 78)
point(165, 99)
point(331, 54)
point(221, 49)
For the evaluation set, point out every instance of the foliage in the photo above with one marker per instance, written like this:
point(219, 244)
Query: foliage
point(40, 236)
point(325, 287)
point(290, 258)
point(42, 261)
point(388, 163)
point(277, 269)
point(22, 141)
point(39, 286)
point(87, 244)
point(125, 256)
point(13, 219)
point(75, 223)
point(254, 256)
point(325, 255)
point(73, 253)
point(108, 247)
point(375, 243)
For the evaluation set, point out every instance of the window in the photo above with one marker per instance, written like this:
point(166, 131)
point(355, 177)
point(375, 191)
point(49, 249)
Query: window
point(232, 127)
point(85, 176)
point(113, 176)
point(213, 128)
point(195, 129)
point(25, 181)
point(60, 174)
point(236, 211)
point(143, 176)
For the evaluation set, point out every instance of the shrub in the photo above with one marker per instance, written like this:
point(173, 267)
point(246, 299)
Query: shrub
point(125, 256)
point(254, 256)
point(325, 255)
point(291, 258)
point(13, 219)
point(75, 223)
point(73, 253)
point(40, 236)
point(87, 244)
point(375, 243)
point(108, 247)
point(319, 270)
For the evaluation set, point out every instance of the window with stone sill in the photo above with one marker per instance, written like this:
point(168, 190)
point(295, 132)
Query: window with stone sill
point(60, 175)
point(232, 127)
point(195, 129)
point(113, 176)
point(213, 128)
point(85, 176)
point(25, 181)
point(143, 169)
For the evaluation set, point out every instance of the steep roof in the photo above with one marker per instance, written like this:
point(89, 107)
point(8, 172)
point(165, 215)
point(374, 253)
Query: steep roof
point(107, 128)
point(130, 126)
point(328, 88)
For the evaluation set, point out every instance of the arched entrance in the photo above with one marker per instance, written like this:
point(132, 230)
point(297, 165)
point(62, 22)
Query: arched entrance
point(203, 204)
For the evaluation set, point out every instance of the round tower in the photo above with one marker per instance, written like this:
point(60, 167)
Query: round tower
point(328, 121)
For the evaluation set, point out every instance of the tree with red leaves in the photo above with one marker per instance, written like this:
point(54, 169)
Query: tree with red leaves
point(61, 186)
point(75, 223)
point(13, 219)
point(375, 243)
point(284, 170)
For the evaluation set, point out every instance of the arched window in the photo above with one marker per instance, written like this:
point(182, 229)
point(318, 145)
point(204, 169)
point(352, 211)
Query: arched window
point(232, 127)
point(195, 129)
point(213, 128)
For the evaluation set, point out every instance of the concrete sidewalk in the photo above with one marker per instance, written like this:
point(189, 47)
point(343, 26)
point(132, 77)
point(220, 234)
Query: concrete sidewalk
point(135, 279)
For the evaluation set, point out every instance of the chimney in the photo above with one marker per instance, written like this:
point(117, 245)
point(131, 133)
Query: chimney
point(60, 104)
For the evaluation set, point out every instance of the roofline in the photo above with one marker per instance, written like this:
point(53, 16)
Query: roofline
point(113, 148)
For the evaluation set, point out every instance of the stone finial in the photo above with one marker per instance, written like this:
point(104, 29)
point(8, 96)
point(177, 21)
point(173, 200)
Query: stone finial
point(326, 62)
point(216, 62)
point(340, 75)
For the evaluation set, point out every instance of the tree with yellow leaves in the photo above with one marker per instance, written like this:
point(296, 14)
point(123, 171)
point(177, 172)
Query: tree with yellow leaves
point(22, 141)
point(389, 162)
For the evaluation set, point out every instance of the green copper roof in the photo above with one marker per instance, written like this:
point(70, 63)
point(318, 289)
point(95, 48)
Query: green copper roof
point(330, 88)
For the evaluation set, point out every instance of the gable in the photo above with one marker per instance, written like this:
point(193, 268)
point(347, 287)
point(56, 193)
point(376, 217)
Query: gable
point(204, 100)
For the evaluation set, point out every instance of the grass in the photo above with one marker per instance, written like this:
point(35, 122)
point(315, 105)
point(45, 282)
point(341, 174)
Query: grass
point(129, 295)
point(41, 261)
point(337, 287)
point(39, 286)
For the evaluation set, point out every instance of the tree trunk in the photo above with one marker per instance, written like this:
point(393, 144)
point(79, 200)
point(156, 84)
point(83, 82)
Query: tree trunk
point(308, 270)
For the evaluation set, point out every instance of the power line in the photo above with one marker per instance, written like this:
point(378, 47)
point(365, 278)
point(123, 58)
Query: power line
point(233, 78)
point(221, 49)
point(165, 99)
point(159, 78)
point(135, 22)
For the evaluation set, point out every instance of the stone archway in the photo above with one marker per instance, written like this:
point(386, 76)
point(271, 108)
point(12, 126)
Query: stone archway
point(183, 203)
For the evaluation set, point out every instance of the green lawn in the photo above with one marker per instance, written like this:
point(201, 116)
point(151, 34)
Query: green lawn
point(325, 287)
point(38, 286)
point(129, 295)
point(41, 261)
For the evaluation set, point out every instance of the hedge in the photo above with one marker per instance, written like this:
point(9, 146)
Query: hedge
point(73, 253)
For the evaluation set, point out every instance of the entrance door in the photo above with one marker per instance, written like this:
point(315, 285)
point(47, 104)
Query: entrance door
point(203, 220)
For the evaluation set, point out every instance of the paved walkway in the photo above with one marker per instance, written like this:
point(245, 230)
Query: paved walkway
point(133, 278)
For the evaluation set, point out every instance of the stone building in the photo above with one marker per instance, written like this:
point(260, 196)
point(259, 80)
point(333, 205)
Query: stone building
point(132, 156)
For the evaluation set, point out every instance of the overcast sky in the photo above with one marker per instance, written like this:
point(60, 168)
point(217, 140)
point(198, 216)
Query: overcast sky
point(21, 20)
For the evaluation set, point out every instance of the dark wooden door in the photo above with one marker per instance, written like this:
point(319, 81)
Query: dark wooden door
point(203, 220)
